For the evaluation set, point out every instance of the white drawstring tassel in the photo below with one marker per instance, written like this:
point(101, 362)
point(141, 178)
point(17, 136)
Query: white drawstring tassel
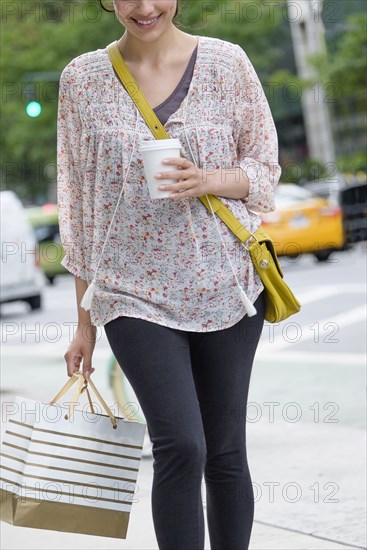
point(249, 307)
point(86, 302)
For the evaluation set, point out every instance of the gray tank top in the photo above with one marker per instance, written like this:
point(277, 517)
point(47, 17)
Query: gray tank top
point(172, 103)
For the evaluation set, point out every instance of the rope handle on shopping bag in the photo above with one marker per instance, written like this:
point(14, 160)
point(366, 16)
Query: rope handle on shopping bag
point(82, 385)
point(159, 132)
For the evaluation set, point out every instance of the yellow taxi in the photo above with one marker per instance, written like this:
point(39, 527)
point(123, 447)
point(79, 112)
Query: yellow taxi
point(304, 223)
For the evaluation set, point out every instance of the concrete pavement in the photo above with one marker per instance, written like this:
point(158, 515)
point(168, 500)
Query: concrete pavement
point(141, 532)
point(308, 475)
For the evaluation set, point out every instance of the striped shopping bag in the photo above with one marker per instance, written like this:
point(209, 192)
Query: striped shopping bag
point(68, 469)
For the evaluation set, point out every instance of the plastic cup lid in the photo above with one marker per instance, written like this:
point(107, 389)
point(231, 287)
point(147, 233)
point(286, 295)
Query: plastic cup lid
point(160, 144)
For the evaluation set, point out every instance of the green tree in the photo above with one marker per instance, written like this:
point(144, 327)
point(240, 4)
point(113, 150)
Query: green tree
point(41, 37)
point(254, 24)
point(346, 66)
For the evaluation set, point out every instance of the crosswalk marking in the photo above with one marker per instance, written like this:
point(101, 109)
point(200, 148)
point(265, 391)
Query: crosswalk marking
point(326, 291)
point(341, 320)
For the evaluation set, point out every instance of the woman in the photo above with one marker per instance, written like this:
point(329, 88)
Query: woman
point(168, 276)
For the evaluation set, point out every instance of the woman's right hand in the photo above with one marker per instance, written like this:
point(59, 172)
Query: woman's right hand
point(81, 348)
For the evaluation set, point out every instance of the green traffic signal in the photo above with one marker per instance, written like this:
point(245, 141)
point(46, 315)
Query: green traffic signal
point(33, 109)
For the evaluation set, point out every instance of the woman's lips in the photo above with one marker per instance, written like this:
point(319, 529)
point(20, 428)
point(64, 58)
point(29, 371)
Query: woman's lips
point(149, 25)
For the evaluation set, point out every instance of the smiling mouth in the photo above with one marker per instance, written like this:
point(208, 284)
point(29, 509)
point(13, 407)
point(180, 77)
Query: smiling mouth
point(146, 24)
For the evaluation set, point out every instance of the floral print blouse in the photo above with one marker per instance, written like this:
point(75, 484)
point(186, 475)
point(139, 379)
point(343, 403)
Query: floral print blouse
point(163, 261)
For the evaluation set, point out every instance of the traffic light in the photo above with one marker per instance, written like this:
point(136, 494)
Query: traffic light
point(33, 109)
point(39, 89)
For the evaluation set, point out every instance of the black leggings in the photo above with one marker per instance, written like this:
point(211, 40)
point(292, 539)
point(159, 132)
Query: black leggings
point(192, 388)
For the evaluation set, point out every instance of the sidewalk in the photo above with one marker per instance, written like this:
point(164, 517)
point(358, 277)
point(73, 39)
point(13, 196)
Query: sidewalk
point(141, 532)
point(308, 475)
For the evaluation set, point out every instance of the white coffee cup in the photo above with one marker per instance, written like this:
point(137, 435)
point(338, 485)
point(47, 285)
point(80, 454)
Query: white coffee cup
point(153, 152)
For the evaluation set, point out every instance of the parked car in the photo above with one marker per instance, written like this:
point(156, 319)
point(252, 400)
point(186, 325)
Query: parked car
point(45, 222)
point(353, 202)
point(349, 191)
point(304, 223)
point(21, 277)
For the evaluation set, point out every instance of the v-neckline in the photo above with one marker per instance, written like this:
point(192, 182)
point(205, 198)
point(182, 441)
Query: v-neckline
point(186, 99)
point(179, 84)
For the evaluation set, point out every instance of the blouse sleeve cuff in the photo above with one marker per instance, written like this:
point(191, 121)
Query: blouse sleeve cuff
point(74, 269)
point(262, 183)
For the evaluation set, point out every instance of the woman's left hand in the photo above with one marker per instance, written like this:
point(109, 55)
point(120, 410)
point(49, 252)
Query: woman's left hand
point(191, 179)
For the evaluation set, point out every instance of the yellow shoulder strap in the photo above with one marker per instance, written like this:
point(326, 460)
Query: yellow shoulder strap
point(159, 132)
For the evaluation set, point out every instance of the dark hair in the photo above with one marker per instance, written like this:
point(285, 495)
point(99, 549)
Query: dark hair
point(109, 3)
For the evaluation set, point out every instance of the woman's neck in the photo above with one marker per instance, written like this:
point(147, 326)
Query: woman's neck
point(157, 52)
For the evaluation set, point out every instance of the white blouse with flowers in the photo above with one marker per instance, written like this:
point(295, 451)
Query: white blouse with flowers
point(163, 261)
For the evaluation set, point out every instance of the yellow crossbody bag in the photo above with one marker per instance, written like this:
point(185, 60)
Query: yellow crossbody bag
point(279, 299)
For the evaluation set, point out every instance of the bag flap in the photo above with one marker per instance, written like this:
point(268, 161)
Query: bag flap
point(264, 237)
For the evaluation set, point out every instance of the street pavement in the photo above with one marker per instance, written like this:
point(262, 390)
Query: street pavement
point(305, 418)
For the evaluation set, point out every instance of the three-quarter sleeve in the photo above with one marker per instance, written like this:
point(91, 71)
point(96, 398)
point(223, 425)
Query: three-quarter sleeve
point(69, 180)
point(256, 136)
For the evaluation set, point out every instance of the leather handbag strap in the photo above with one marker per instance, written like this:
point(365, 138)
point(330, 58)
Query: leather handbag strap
point(159, 132)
